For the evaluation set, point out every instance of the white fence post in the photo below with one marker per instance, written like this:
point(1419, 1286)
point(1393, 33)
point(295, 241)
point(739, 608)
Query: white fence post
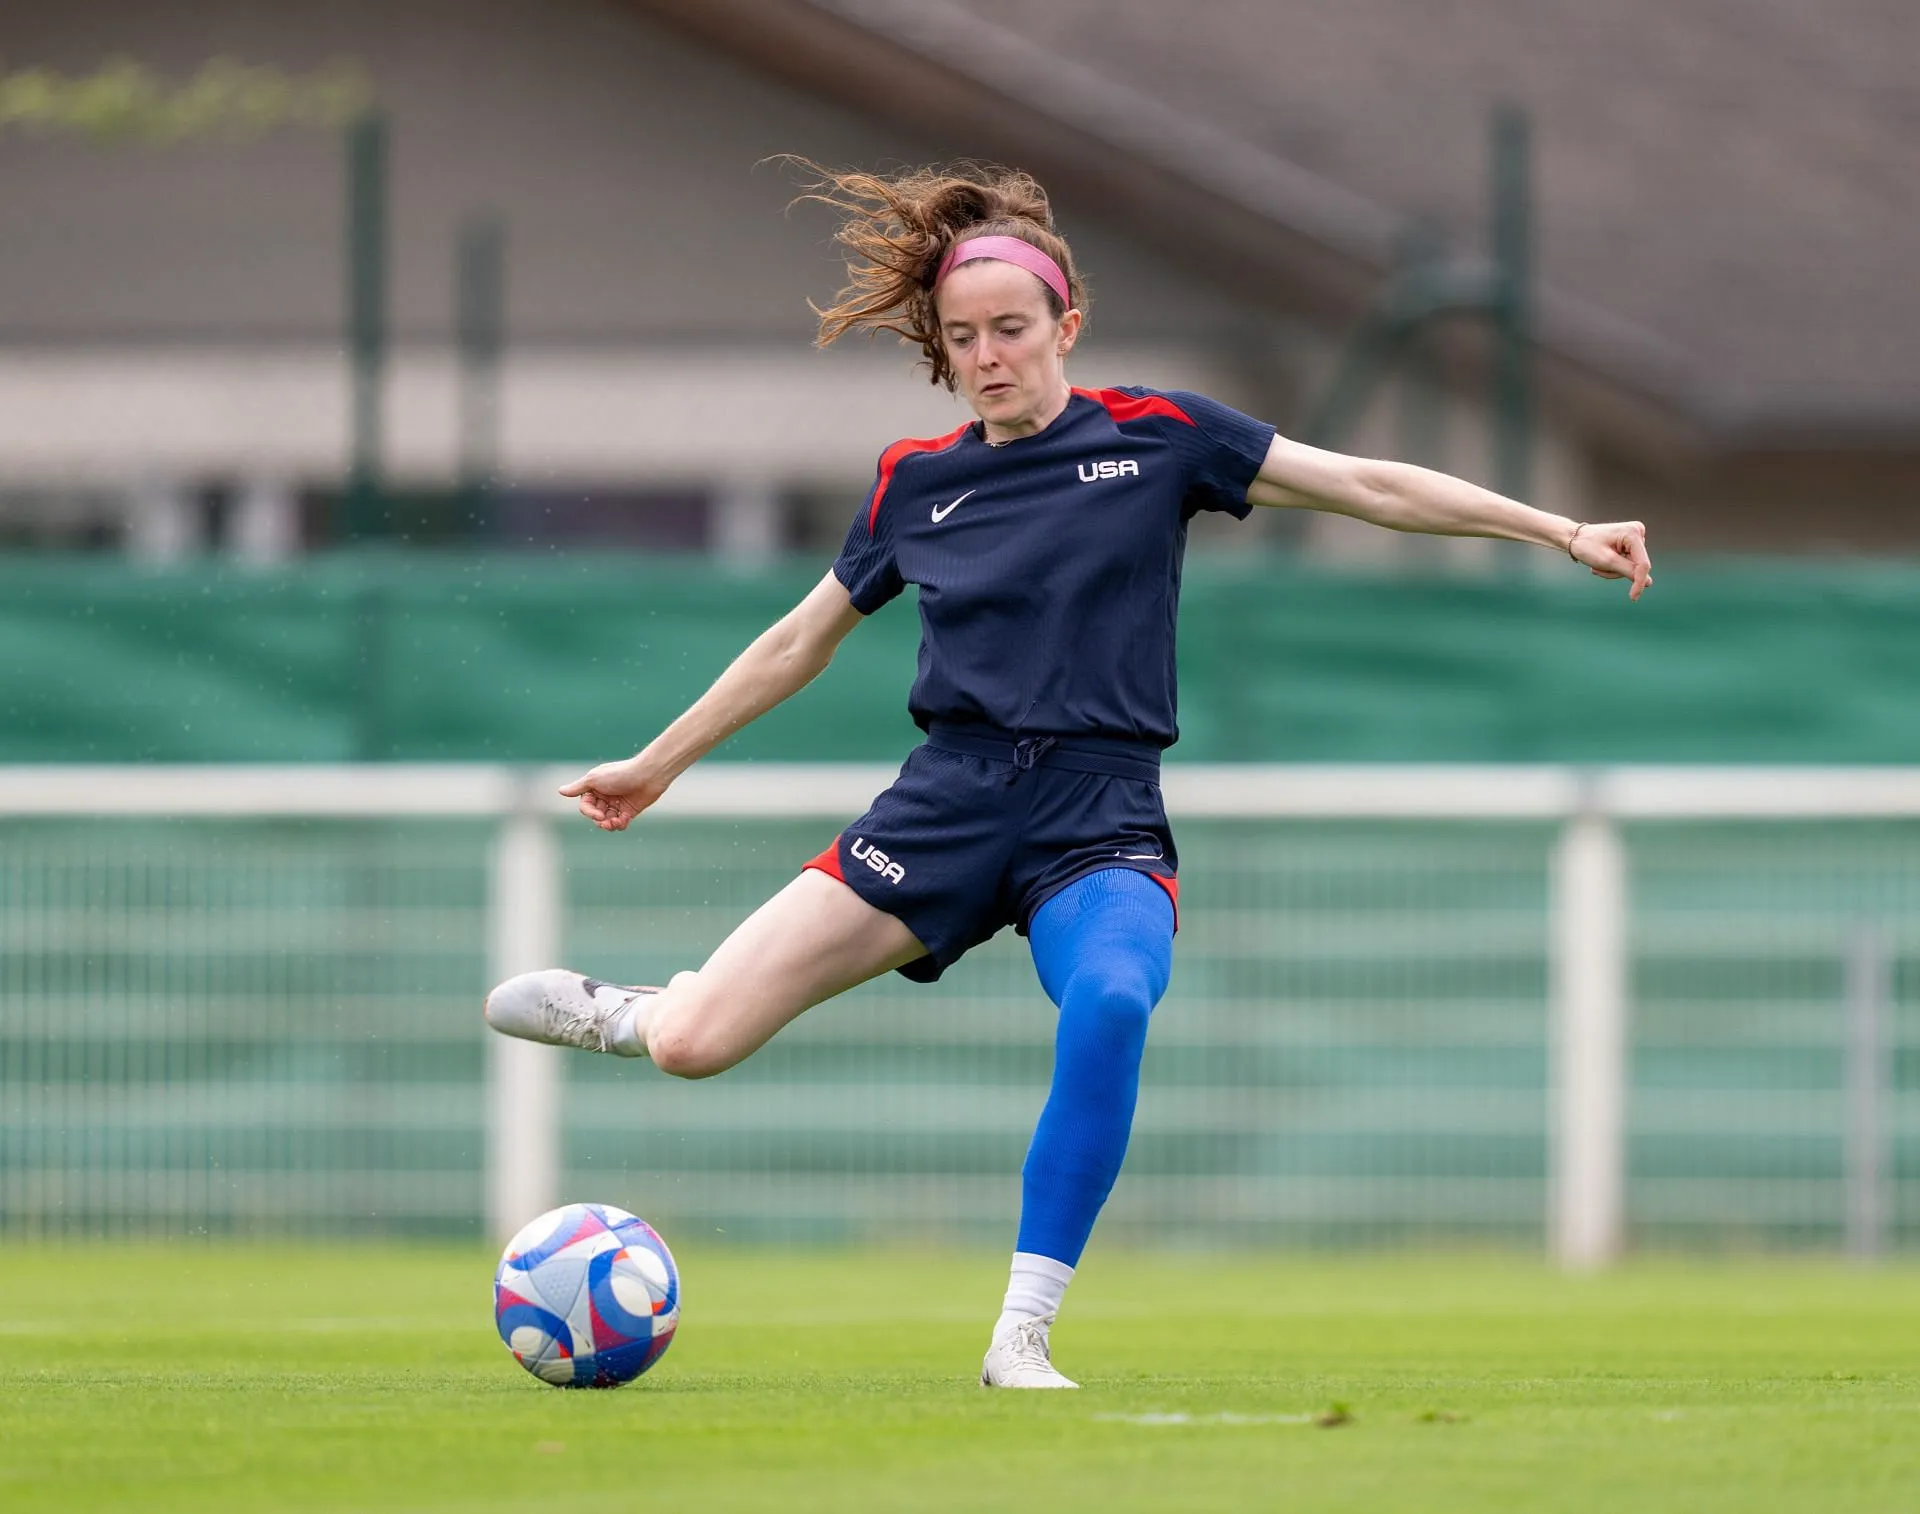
point(1869, 980)
point(523, 1077)
point(1589, 1043)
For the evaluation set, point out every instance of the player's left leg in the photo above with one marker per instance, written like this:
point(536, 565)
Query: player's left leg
point(1104, 950)
point(814, 939)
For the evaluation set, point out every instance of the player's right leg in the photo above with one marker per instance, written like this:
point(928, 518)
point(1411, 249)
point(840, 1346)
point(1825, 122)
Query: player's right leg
point(1103, 947)
point(812, 940)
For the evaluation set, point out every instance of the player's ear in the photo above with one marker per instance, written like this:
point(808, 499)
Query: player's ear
point(1069, 331)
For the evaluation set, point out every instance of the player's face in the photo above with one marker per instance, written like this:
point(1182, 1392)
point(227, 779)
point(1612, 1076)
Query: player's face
point(1007, 349)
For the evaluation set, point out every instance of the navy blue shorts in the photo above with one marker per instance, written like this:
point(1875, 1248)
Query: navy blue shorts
point(980, 829)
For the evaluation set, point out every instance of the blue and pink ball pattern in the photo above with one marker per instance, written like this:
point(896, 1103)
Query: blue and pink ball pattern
point(587, 1297)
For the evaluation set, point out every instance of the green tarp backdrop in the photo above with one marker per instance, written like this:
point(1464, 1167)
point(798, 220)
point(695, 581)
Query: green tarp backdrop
point(427, 658)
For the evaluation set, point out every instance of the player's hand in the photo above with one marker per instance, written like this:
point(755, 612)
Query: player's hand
point(1617, 550)
point(613, 794)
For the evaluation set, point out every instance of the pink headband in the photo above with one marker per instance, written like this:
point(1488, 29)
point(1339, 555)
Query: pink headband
point(1008, 250)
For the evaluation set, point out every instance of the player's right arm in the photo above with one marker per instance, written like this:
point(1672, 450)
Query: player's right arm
point(781, 661)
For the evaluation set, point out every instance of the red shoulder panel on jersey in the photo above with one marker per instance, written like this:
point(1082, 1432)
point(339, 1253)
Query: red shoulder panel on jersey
point(890, 459)
point(1135, 407)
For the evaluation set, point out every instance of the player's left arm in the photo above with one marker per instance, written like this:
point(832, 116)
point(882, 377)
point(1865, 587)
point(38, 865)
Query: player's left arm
point(1402, 497)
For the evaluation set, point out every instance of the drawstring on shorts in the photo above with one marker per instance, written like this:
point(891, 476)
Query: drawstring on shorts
point(1027, 751)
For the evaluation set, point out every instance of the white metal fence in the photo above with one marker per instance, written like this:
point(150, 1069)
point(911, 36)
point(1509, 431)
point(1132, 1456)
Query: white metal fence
point(1534, 1004)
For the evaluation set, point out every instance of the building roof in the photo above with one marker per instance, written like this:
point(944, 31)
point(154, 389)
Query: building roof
point(1724, 188)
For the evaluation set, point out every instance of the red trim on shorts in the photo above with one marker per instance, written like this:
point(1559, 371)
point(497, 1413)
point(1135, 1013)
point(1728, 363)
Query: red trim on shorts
point(828, 862)
point(891, 459)
point(1135, 407)
point(1172, 886)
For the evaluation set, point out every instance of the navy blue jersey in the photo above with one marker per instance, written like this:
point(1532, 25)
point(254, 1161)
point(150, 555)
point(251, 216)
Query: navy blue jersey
point(1049, 566)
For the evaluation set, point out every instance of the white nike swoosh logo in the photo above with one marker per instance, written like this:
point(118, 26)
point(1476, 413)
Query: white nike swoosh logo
point(1141, 856)
point(940, 514)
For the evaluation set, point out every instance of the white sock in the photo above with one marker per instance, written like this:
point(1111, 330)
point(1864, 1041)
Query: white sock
point(627, 1031)
point(1036, 1286)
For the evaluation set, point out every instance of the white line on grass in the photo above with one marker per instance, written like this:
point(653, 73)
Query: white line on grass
point(1206, 1419)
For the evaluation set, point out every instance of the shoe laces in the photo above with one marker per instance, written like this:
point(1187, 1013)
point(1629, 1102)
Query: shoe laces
point(582, 1026)
point(1027, 1340)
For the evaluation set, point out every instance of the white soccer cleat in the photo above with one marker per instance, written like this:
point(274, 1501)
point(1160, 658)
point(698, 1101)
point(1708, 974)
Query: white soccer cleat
point(563, 1008)
point(1020, 1358)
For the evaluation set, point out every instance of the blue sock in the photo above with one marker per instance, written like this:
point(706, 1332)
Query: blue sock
point(1104, 949)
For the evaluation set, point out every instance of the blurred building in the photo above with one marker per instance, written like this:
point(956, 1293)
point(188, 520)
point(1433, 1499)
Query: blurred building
point(1723, 197)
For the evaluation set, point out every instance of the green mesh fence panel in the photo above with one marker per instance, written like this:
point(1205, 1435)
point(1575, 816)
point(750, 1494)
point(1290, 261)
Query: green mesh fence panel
point(210, 1027)
point(273, 1028)
point(1353, 1050)
point(1738, 1127)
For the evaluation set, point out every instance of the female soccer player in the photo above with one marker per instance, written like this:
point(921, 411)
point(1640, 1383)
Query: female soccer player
point(1045, 538)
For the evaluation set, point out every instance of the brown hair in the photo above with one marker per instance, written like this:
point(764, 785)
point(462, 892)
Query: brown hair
point(899, 227)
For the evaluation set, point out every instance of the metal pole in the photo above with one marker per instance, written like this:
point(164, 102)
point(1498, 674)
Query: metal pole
point(1357, 370)
point(523, 1077)
point(1512, 246)
point(373, 616)
point(366, 315)
point(1418, 295)
point(1869, 994)
point(480, 321)
point(1422, 256)
point(1589, 1044)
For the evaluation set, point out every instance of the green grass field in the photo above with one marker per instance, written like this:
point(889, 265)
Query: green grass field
point(209, 1379)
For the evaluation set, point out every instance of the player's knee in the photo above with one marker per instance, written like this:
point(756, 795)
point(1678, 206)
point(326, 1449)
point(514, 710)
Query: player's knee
point(684, 1051)
point(1115, 1007)
point(1126, 1011)
point(680, 1039)
point(682, 1054)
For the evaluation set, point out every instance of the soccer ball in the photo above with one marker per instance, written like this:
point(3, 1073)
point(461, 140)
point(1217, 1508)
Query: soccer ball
point(587, 1297)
